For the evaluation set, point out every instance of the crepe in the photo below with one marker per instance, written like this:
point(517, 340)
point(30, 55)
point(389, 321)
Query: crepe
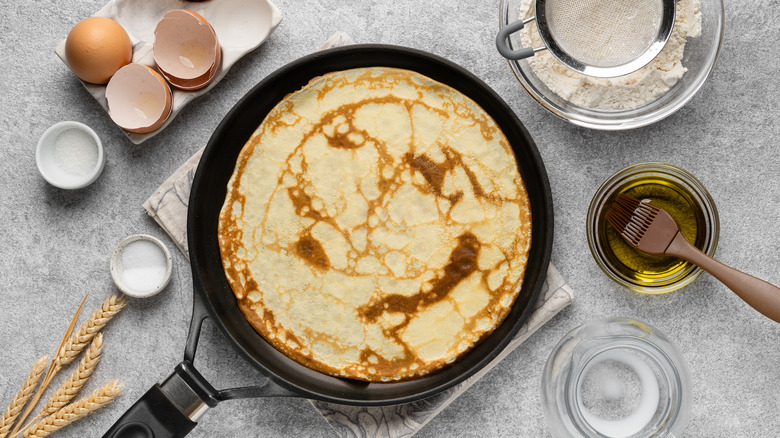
point(376, 226)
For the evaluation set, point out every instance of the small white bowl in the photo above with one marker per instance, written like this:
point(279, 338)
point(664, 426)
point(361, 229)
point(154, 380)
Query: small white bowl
point(141, 266)
point(58, 173)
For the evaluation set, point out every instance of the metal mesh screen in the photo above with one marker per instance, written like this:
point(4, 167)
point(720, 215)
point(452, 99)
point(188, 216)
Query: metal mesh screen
point(604, 33)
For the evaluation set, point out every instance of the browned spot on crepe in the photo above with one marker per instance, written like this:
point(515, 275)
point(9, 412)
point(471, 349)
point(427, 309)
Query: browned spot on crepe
point(310, 249)
point(463, 261)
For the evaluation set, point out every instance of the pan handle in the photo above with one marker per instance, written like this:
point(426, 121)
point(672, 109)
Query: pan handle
point(167, 410)
point(199, 314)
point(171, 409)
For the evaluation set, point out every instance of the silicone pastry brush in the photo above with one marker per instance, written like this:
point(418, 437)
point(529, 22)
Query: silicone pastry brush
point(652, 230)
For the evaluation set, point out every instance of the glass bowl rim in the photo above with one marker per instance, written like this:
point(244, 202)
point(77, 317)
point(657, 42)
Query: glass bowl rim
point(624, 175)
point(629, 120)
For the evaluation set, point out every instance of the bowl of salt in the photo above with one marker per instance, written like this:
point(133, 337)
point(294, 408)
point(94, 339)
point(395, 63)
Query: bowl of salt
point(141, 266)
point(70, 155)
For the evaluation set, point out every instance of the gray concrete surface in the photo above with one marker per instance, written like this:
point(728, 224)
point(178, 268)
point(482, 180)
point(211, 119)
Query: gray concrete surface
point(55, 244)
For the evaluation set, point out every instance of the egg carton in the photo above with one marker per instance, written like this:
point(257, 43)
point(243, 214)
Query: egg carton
point(241, 26)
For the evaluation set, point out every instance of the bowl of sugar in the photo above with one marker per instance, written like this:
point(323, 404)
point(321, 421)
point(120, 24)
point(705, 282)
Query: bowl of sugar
point(141, 266)
point(70, 155)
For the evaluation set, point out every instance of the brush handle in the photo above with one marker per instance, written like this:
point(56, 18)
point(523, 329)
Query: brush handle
point(761, 295)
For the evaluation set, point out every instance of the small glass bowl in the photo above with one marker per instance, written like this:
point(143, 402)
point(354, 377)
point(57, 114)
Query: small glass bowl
point(616, 377)
point(635, 179)
point(699, 58)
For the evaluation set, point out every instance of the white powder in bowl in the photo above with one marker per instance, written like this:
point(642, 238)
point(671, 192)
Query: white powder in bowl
point(75, 152)
point(144, 267)
point(624, 92)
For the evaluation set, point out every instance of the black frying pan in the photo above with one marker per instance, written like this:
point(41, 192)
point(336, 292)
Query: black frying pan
point(170, 409)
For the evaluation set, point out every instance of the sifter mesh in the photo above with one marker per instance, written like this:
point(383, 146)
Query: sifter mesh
point(604, 33)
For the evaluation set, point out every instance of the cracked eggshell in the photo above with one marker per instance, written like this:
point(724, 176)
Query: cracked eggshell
point(138, 98)
point(186, 49)
point(197, 83)
point(241, 26)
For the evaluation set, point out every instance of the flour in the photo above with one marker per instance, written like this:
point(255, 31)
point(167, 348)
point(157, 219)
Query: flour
point(624, 92)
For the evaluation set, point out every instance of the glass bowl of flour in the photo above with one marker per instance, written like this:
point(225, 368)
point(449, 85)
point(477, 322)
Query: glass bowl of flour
point(638, 99)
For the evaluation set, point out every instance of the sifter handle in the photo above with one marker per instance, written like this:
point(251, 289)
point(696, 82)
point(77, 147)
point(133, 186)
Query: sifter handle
point(503, 46)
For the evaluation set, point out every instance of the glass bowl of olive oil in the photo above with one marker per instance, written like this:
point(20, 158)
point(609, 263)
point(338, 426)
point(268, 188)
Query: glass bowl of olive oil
point(667, 187)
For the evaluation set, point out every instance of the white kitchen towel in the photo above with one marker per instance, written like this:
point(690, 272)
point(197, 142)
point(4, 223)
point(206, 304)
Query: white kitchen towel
point(168, 206)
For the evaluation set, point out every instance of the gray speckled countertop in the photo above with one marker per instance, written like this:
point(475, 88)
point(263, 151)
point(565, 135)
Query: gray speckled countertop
point(56, 244)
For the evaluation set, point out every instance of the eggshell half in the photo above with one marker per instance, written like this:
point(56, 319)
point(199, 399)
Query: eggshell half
point(138, 98)
point(186, 48)
point(197, 83)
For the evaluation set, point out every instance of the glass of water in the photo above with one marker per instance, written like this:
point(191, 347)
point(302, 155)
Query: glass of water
point(616, 378)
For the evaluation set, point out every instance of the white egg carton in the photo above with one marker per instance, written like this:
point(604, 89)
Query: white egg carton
point(241, 26)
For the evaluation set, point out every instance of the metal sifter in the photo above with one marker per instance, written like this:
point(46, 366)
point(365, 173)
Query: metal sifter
point(601, 38)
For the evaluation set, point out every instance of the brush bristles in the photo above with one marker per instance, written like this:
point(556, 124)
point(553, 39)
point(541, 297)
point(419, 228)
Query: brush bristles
point(638, 207)
point(631, 217)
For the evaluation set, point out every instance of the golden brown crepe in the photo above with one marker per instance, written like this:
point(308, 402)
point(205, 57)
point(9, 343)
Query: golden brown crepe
point(376, 226)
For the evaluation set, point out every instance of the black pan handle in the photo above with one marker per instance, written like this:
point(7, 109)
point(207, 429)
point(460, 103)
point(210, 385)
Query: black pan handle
point(199, 314)
point(167, 410)
point(152, 416)
point(171, 409)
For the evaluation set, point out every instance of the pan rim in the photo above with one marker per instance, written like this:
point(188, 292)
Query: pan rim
point(542, 235)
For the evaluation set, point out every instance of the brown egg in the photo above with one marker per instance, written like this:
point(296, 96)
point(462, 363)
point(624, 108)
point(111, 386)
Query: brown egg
point(138, 98)
point(96, 48)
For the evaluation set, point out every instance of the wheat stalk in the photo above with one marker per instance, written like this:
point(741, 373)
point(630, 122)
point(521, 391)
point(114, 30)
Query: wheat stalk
point(74, 411)
point(65, 393)
point(87, 330)
point(21, 397)
point(50, 373)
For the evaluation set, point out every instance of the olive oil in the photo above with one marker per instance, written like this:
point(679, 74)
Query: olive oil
point(678, 202)
point(665, 186)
